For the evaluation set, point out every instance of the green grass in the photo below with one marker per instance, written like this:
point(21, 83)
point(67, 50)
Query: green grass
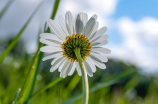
point(25, 79)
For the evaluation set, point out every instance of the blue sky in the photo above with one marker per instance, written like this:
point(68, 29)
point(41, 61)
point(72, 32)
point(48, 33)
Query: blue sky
point(136, 9)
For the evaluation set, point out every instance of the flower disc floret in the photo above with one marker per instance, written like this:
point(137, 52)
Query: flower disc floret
point(76, 41)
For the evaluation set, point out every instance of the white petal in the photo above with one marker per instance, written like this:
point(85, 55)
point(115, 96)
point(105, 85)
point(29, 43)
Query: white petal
point(50, 49)
point(95, 16)
point(69, 69)
point(56, 63)
point(69, 29)
point(85, 18)
point(99, 33)
point(101, 50)
point(65, 69)
point(53, 55)
point(98, 64)
point(88, 29)
point(78, 69)
point(94, 30)
point(100, 39)
point(62, 64)
point(52, 63)
point(91, 63)
point(56, 29)
point(63, 25)
point(50, 37)
point(74, 28)
point(69, 22)
point(98, 44)
point(72, 69)
point(79, 23)
point(49, 42)
point(88, 68)
point(98, 57)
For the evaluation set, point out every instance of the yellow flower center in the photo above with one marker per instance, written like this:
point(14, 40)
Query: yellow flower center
point(76, 41)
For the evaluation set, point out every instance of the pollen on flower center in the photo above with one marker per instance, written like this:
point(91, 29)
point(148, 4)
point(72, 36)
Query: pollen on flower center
point(76, 41)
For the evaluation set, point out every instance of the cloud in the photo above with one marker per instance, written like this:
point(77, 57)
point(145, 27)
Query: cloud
point(140, 42)
point(103, 8)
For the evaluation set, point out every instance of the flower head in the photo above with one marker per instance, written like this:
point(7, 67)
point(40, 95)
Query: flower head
point(70, 34)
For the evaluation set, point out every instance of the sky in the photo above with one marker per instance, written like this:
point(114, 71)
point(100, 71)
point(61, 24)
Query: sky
point(132, 26)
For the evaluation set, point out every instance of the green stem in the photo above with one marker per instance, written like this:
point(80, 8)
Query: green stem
point(84, 77)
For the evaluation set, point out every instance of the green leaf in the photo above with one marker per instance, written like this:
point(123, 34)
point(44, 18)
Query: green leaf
point(98, 86)
point(14, 41)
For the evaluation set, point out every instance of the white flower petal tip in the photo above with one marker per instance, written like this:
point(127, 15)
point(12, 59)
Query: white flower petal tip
point(56, 29)
point(79, 24)
point(94, 16)
point(72, 33)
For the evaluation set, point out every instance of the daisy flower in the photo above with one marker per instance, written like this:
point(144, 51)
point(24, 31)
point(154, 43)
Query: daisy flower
point(70, 34)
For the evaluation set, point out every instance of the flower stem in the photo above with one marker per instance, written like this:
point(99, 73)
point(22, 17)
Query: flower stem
point(84, 77)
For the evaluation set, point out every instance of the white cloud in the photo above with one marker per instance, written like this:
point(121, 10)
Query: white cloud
point(140, 42)
point(103, 8)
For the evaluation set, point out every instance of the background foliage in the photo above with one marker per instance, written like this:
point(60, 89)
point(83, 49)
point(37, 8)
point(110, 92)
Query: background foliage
point(24, 78)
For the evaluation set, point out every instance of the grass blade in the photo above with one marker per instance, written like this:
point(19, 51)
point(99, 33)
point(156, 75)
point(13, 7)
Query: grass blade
point(5, 8)
point(28, 86)
point(17, 95)
point(14, 41)
point(47, 87)
point(56, 5)
point(55, 8)
point(30, 80)
point(98, 86)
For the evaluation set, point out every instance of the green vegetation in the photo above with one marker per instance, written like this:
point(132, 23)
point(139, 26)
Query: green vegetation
point(25, 79)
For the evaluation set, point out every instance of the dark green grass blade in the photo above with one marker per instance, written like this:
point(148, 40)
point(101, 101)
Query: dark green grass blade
point(14, 41)
point(98, 86)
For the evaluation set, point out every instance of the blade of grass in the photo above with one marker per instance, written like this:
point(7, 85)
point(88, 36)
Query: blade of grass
point(29, 84)
point(98, 86)
point(17, 95)
point(133, 82)
point(14, 41)
point(30, 80)
point(5, 8)
point(55, 8)
point(47, 87)
point(56, 5)
point(73, 83)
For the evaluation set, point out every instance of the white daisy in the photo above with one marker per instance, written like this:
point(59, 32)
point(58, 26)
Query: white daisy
point(70, 34)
